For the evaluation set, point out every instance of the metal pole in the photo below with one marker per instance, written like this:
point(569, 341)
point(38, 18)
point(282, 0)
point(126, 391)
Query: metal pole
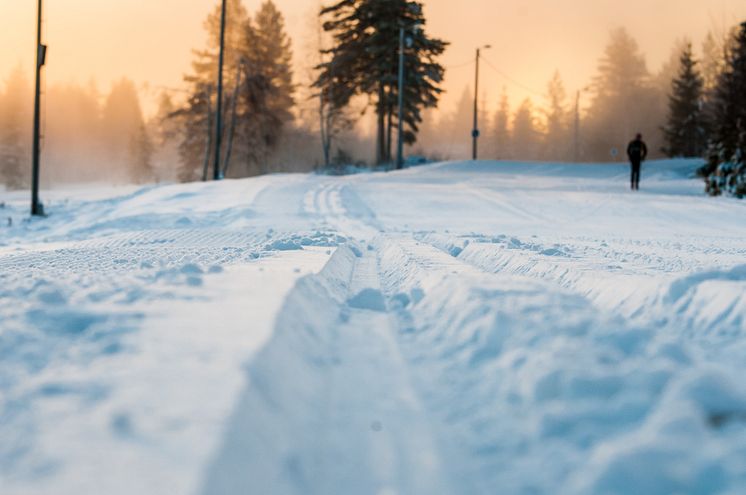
point(475, 130)
point(400, 135)
point(36, 207)
point(219, 112)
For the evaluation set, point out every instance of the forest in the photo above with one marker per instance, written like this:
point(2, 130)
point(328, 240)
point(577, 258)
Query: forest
point(340, 109)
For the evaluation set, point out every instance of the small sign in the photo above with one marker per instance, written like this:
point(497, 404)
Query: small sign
point(42, 56)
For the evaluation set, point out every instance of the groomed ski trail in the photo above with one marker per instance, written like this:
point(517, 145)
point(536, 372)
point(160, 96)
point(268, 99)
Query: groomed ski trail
point(479, 328)
point(330, 407)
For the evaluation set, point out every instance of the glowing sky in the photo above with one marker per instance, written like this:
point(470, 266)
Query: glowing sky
point(150, 41)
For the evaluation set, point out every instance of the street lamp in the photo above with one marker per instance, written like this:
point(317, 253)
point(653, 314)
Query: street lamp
point(475, 130)
point(37, 209)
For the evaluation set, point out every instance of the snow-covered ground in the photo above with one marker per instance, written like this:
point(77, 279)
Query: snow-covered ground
point(460, 328)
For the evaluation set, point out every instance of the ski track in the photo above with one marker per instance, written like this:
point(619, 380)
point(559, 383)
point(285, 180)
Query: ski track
point(420, 361)
point(345, 367)
point(496, 300)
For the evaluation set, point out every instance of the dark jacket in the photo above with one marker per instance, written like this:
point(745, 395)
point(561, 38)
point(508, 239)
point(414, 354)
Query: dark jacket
point(637, 151)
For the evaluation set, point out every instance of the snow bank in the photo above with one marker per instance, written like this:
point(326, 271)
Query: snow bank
point(528, 378)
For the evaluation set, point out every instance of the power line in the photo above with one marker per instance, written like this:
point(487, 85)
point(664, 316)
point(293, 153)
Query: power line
point(510, 79)
point(459, 66)
point(168, 89)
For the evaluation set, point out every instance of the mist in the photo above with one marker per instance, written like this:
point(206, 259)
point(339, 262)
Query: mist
point(114, 128)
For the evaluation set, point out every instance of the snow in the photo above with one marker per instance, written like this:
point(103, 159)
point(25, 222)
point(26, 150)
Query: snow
point(470, 327)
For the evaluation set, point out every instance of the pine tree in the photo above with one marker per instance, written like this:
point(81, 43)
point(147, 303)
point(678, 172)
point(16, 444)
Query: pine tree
point(165, 133)
point(557, 138)
point(123, 127)
point(259, 93)
point(670, 68)
point(624, 100)
point(713, 62)
point(526, 136)
point(196, 116)
point(715, 50)
point(74, 149)
point(329, 115)
point(265, 96)
point(500, 131)
point(726, 168)
point(456, 126)
point(141, 155)
point(685, 133)
point(365, 59)
point(15, 122)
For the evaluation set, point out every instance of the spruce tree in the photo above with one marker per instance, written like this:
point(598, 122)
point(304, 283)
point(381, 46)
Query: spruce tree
point(196, 115)
point(726, 167)
point(557, 140)
point(713, 62)
point(259, 92)
point(365, 58)
point(15, 120)
point(624, 100)
point(685, 132)
point(74, 136)
point(141, 155)
point(265, 95)
point(526, 136)
point(501, 131)
point(128, 146)
point(166, 136)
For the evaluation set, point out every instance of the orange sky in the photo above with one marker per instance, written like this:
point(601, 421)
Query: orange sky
point(150, 41)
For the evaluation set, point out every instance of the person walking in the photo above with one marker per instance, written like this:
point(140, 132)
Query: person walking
point(637, 151)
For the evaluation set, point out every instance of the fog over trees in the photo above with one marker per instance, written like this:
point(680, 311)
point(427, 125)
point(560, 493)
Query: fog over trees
point(339, 107)
point(87, 136)
point(15, 121)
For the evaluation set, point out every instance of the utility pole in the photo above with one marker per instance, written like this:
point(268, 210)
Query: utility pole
point(475, 130)
point(37, 209)
point(219, 111)
point(400, 118)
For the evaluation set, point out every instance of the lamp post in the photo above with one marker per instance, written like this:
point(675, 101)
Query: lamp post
point(37, 209)
point(219, 104)
point(475, 130)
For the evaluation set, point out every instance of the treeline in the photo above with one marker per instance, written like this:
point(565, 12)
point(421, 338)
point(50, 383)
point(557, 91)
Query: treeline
point(723, 117)
point(87, 136)
point(354, 68)
point(276, 120)
point(93, 137)
point(593, 124)
point(259, 95)
point(694, 107)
